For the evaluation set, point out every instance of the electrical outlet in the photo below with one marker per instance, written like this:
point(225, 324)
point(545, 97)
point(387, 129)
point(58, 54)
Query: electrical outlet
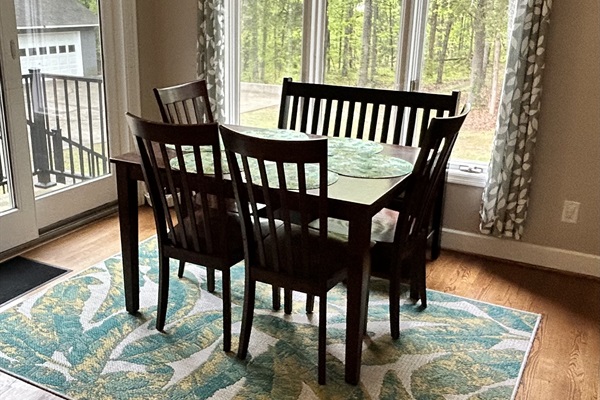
point(570, 212)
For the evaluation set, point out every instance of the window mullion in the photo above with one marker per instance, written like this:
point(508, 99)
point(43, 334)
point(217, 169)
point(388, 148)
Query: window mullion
point(412, 38)
point(313, 40)
point(232, 9)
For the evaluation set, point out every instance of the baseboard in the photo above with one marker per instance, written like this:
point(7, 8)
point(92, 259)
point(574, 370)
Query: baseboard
point(512, 250)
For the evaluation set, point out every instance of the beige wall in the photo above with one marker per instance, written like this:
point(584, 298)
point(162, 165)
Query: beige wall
point(567, 158)
point(167, 47)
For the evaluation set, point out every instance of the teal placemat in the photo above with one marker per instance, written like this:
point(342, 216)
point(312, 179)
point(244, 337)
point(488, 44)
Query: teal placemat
point(291, 174)
point(273, 133)
point(365, 165)
point(338, 145)
point(207, 163)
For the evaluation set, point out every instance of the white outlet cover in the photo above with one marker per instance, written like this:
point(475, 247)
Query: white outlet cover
point(570, 212)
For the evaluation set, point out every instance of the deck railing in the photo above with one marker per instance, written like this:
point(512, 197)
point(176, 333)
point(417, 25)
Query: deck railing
point(66, 126)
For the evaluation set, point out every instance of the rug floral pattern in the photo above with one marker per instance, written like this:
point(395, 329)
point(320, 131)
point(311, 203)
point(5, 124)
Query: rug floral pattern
point(76, 339)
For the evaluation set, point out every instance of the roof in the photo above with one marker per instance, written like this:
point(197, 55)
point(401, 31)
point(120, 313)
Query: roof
point(53, 13)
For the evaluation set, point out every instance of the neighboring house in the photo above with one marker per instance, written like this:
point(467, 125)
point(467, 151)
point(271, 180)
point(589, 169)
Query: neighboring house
point(57, 36)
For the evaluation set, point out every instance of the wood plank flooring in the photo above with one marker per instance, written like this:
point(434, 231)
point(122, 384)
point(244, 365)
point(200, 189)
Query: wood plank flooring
point(564, 362)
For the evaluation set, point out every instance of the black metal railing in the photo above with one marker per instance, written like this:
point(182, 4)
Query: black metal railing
point(66, 124)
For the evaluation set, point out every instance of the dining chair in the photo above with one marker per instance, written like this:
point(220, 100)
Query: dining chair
point(381, 115)
point(195, 229)
point(280, 174)
point(186, 103)
point(400, 237)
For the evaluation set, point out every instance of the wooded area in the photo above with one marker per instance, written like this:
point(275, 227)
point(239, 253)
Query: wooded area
point(465, 44)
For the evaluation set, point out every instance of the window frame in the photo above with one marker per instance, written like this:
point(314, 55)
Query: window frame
point(411, 43)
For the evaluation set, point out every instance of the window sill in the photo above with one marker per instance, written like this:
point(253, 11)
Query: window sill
point(462, 177)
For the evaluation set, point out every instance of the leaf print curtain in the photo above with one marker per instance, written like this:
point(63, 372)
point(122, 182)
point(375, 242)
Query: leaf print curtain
point(506, 195)
point(210, 46)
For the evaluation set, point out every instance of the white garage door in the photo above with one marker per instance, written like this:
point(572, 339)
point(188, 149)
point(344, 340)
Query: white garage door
point(53, 53)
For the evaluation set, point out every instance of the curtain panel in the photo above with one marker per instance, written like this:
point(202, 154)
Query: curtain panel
point(506, 194)
point(211, 53)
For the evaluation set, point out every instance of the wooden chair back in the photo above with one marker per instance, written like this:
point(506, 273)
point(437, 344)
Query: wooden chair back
point(272, 173)
point(428, 172)
point(187, 103)
point(175, 162)
point(387, 116)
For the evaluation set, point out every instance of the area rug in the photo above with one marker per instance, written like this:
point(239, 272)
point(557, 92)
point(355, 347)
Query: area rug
point(20, 275)
point(76, 339)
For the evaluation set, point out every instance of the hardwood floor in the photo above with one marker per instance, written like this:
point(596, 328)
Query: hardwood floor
point(563, 364)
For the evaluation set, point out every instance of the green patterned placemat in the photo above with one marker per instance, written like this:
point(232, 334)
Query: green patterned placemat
point(365, 165)
point(190, 149)
point(274, 133)
point(291, 174)
point(207, 163)
point(339, 145)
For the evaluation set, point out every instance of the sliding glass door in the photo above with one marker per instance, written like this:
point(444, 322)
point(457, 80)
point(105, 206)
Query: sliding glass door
point(54, 157)
point(17, 208)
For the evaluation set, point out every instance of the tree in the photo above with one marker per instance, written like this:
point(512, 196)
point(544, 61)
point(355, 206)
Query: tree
point(479, 60)
point(363, 78)
point(91, 5)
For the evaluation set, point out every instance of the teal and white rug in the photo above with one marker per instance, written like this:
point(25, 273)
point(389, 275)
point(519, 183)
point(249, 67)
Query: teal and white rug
point(76, 339)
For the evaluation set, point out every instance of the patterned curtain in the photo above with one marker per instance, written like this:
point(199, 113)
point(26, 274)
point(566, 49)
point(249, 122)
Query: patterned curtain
point(211, 45)
point(506, 195)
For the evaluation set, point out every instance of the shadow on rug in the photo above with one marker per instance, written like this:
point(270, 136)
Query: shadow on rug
point(77, 339)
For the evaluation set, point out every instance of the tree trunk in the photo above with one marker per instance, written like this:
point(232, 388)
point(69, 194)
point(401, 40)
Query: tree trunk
point(253, 54)
point(264, 57)
point(373, 61)
point(433, 21)
point(363, 78)
point(444, 49)
point(478, 60)
point(347, 50)
point(495, 72)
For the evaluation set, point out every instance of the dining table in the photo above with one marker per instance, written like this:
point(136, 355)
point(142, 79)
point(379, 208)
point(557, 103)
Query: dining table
point(368, 177)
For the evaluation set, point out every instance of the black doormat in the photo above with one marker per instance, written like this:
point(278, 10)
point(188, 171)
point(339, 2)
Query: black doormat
point(20, 275)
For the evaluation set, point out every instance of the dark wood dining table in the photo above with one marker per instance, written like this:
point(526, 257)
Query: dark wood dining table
point(353, 199)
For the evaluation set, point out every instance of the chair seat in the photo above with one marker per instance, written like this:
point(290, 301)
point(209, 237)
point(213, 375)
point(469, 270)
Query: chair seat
point(233, 233)
point(383, 226)
point(328, 262)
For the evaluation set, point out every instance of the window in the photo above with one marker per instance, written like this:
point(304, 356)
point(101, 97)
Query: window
point(271, 50)
point(434, 45)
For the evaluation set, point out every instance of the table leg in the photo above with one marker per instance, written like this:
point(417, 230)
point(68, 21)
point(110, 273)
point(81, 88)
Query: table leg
point(128, 226)
point(358, 288)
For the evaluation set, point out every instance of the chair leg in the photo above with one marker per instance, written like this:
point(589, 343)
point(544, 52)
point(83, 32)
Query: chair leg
point(394, 306)
point(366, 315)
point(310, 303)
point(420, 264)
point(322, 338)
point(163, 292)
point(247, 316)
point(210, 279)
point(414, 285)
point(181, 268)
point(276, 298)
point(287, 301)
point(226, 281)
